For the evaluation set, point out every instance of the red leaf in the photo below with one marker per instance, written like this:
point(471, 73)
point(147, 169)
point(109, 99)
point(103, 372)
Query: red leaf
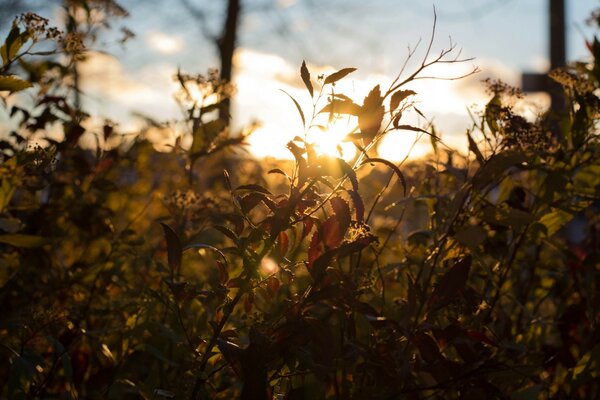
point(315, 249)
point(223, 273)
point(273, 285)
point(342, 211)
point(283, 243)
point(332, 232)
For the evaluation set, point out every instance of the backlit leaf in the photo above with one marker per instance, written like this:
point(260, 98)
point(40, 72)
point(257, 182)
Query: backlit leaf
point(398, 96)
point(305, 75)
point(13, 83)
point(297, 107)
point(336, 106)
point(22, 240)
point(336, 76)
point(392, 166)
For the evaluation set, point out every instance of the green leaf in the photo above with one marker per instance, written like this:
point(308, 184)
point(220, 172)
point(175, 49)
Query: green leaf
point(497, 166)
point(336, 76)
point(398, 96)
point(25, 241)
point(555, 220)
point(12, 83)
point(305, 75)
point(11, 45)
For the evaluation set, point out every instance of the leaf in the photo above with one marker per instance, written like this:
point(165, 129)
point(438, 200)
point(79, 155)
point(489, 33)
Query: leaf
point(25, 241)
point(227, 232)
point(398, 96)
point(250, 201)
point(392, 166)
point(223, 273)
point(449, 285)
point(336, 106)
point(305, 75)
point(412, 128)
point(284, 243)
point(555, 220)
point(12, 83)
point(371, 115)
point(350, 173)
point(475, 149)
point(428, 348)
point(174, 248)
point(471, 236)
point(297, 107)
point(359, 206)
point(496, 166)
point(336, 76)
point(205, 135)
point(253, 188)
point(341, 210)
point(332, 232)
point(278, 171)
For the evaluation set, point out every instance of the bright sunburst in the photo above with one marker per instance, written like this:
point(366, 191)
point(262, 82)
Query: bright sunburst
point(330, 141)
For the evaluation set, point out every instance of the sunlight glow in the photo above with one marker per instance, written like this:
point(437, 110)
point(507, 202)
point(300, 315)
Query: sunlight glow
point(164, 43)
point(330, 142)
point(268, 266)
point(395, 146)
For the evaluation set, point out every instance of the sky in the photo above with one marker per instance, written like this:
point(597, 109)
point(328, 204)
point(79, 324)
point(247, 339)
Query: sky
point(505, 38)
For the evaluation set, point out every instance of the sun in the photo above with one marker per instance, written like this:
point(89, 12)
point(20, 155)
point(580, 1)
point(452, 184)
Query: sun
point(268, 141)
point(330, 140)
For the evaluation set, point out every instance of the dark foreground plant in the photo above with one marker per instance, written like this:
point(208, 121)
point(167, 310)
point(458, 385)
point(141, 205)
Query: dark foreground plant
point(475, 276)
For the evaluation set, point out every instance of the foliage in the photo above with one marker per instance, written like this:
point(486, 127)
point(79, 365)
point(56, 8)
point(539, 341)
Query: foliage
point(128, 273)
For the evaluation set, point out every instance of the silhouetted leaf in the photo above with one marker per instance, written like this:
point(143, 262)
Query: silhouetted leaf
point(371, 115)
point(449, 285)
point(359, 205)
point(305, 75)
point(397, 98)
point(350, 173)
point(174, 248)
point(341, 107)
point(392, 166)
point(23, 240)
point(336, 76)
point(297, 107)
point(475, 149)
point(471, 236)
point(253, 188)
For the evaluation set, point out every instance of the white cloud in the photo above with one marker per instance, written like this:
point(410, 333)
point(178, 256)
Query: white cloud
point(164, 43)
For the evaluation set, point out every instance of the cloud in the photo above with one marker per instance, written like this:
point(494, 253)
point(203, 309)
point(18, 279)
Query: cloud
point(112, 91)
point(164, 43)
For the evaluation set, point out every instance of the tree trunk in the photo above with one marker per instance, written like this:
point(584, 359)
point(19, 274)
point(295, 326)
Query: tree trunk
point(226, 44)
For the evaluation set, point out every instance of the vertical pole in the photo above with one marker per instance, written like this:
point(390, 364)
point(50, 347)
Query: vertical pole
point(558, 51)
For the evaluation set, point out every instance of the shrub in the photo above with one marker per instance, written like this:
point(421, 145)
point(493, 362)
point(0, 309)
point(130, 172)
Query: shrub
point(320, 279)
